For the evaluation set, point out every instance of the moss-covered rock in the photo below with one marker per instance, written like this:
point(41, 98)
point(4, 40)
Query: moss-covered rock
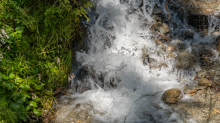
point(171, 96)
point(204, 82)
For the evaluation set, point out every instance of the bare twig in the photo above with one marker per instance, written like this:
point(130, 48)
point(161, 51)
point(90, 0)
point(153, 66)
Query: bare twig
point(167, 9)
point(162, 36)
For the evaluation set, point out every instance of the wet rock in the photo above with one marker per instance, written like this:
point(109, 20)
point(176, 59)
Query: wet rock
point(202, 73)
point(218, 43)
point(157, 11)
point(189, 89)
point(171, 96)
point(204, 82)
point(206, 57)
point(215, 33)
point(186, 60)
point(188, 34)
point(78, 114)
point(153, 62)
point(170, 48)
point(170, 55)
point(164, 29)
point(136, 3)
point(201, 7)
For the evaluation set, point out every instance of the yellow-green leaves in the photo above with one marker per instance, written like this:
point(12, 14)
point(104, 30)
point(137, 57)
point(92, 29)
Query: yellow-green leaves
point(37, 112)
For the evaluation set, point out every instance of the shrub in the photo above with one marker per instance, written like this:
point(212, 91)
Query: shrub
point(35, 53)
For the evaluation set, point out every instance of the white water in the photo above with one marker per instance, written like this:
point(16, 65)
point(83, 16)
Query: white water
point(117, 40)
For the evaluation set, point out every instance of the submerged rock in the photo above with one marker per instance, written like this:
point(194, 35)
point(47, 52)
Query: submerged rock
point(204, 82)
point(157, 11)
point(186, 60)
point(171, 96)
point(206, 57)
point(188, 34)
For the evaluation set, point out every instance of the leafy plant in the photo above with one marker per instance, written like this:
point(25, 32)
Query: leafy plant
point(35, 53)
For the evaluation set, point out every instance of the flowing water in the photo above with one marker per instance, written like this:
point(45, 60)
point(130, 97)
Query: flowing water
point(126, 71)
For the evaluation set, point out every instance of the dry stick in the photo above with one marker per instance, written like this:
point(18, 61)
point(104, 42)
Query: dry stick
point(167, 9)
point(162, 36)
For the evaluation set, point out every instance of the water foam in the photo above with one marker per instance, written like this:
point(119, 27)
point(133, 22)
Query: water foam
point(118, 40)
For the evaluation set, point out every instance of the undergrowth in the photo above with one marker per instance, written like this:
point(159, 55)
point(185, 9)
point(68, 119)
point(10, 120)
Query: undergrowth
point(35, 53)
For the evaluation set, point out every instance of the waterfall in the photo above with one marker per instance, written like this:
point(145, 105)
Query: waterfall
point(126, 70)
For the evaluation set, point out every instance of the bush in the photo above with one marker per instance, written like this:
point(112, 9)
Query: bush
point(35, 55)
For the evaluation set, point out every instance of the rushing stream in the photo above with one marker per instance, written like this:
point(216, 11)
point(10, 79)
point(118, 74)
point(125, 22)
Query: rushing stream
point(126, 71)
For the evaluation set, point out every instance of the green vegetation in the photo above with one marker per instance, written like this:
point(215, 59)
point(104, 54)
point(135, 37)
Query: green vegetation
point(35, 55)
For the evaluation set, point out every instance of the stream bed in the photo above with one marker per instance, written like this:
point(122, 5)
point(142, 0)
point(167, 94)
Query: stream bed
point(136, 51)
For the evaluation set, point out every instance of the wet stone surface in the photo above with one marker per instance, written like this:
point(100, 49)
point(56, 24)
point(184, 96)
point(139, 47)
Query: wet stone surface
point(171, 96)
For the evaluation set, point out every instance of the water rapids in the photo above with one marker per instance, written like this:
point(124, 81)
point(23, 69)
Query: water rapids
point(124, 87)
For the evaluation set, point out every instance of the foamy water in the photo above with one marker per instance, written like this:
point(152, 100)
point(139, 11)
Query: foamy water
point(130, 91)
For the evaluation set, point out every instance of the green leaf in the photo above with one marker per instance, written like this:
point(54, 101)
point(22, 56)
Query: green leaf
point(23, 118)
point(42, 84)
point(25, 94)
point(28, 108)
point(3, 102)
point(37, 99)
point(66, 1)
point(18, 79)
point(7, 58)
point(2, 91)
point(9, 85)
point(20, 29)
point(15, 105)
point(21, 100)
point(24, 86)
point(49, 93)
point(37, 112)
point(11, 76)
point(0, 77)
point(50, 80)
point(38, 87)
point(32, 104)
point(4, 77)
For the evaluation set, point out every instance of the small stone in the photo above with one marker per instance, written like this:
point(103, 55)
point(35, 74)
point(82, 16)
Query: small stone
point(162, 30)
point(170, 55)
point(204, 82)
point(170, 48)
point(192, 91)
point(188, 34)
point(215, 33)
point(166, 27)
point(138, 3)
point(202, 73)
point(171, 96)
point(157, 11)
